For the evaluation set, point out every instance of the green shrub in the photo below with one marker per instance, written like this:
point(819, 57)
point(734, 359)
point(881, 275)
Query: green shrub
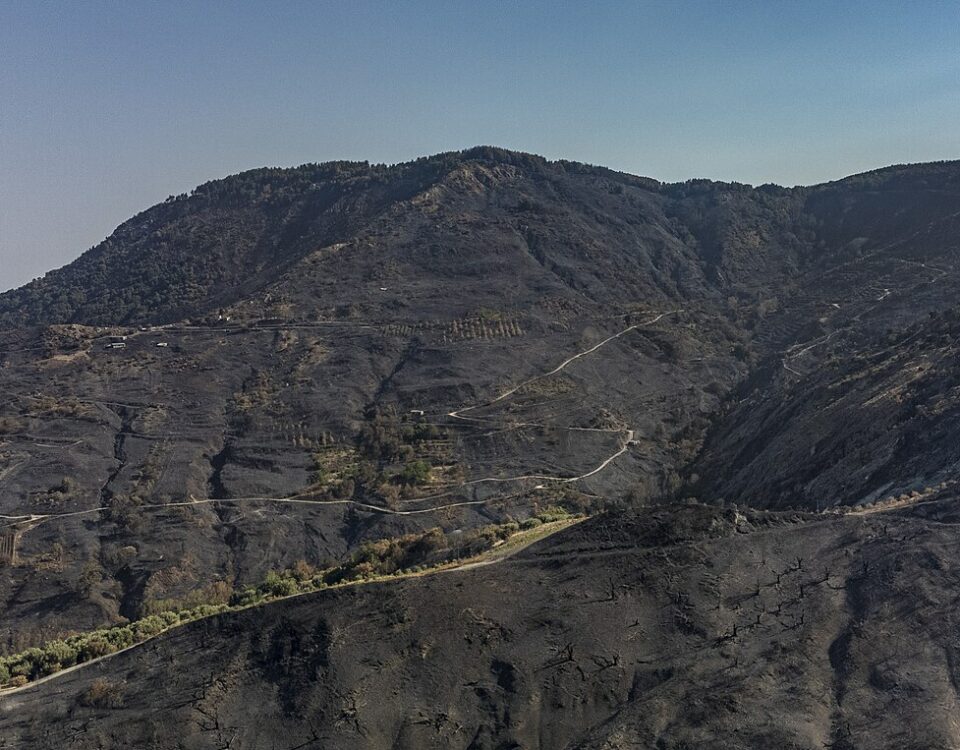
point(415, 473)
point(22, 668)
point(121, 637)
point(245, 598)
point(56, 656)
point(277, 585)
point(148, 627)
point(553, 513)
point(95, 647)
point(408, 554)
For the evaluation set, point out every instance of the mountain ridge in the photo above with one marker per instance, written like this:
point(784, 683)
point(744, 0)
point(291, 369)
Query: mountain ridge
point(258, 219)
point(285, 374)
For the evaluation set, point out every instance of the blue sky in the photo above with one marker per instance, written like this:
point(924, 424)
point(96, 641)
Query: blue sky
point(108, 107)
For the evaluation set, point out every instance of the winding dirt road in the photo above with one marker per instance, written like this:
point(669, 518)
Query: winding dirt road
point(456, 414)
point(30, 521)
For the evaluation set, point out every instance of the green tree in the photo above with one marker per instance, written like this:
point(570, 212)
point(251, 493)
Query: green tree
point(415, 472)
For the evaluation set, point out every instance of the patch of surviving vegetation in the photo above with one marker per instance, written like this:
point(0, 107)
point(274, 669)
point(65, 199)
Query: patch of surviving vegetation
point(395, 458)
point(408, 555)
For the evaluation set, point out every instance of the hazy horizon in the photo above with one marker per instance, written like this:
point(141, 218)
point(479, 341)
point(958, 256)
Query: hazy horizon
point(110, 108)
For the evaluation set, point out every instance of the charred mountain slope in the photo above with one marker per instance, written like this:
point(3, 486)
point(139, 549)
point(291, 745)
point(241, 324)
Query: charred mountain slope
point(858, 423)
point(677, 628)
point(536, 332)
point(606, 234)
point(364, 296)
point(197, 252)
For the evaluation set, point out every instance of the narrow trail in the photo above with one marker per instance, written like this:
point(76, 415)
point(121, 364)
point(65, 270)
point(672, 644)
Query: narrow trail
point(33, 520)
point(877, 252)
point(795, 351)
point(627, 433)
point(29, 521)
point(491, 557)
point(545, 477)
point(456, 413)
point(92, 401)
point(925, 498)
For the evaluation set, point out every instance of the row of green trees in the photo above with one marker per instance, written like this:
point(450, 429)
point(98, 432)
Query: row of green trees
point(404, 555)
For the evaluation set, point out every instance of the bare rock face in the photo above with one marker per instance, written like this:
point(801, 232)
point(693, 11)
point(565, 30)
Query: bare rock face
point(287, 364)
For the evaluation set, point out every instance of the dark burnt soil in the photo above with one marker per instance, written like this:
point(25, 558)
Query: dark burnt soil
point(690, 627)
point(771, 348)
